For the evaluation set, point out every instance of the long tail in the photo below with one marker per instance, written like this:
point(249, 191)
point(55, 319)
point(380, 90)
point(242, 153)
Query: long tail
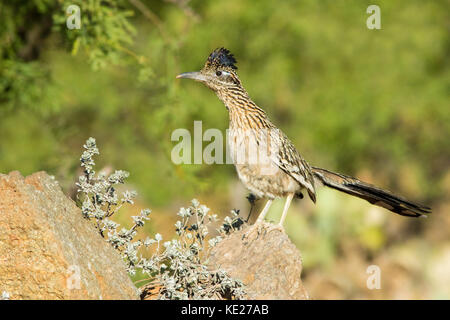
point(370, 193)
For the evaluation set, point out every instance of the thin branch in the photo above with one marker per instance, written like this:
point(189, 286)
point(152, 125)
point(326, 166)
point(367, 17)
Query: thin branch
point(151, 16)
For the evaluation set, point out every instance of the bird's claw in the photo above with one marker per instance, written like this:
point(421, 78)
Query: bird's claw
point(261, 228)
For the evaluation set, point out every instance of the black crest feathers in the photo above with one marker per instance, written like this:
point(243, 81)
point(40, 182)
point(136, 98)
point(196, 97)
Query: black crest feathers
point(222, 57)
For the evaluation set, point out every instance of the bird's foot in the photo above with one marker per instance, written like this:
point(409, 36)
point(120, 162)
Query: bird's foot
point(261, 228)
point(253, 232)
point(275, 227)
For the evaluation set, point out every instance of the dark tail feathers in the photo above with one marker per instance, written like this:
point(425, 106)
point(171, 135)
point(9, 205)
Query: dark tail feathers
point(370, 193)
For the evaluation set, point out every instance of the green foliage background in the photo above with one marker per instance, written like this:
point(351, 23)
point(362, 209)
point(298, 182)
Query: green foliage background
point(363, 102)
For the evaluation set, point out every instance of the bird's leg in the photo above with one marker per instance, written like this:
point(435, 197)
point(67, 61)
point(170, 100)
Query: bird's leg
point(255, 230)
point(264, 211)
point(285, 210)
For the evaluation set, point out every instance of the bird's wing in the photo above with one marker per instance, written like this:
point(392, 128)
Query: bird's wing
point(287, 158)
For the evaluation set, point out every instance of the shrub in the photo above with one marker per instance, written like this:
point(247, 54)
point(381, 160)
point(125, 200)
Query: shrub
point(179, 267)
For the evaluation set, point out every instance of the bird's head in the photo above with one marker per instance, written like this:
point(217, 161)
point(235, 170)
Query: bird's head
point(219, 72)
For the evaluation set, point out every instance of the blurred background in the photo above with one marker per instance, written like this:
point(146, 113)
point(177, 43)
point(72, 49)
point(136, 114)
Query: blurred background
point(368, 103)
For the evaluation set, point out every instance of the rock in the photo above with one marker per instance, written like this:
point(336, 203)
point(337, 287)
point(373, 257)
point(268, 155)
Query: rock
point(49, 251)
point(265, 260)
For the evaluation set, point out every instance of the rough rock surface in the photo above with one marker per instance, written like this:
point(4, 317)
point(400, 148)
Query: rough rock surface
point(45, 243)
point(265, 260)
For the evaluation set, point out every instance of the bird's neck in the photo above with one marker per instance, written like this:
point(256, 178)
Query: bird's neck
point(241, 108)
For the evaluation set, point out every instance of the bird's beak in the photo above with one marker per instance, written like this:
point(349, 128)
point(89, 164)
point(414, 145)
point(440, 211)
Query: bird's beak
point(192, 75)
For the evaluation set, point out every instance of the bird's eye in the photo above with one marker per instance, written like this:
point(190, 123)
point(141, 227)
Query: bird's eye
point(218, 73)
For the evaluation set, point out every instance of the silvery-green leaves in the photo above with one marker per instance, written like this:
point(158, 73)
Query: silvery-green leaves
point(182, 266)
point(183, 263)
point(100, 200)
point(179, 265)
point(231, 223)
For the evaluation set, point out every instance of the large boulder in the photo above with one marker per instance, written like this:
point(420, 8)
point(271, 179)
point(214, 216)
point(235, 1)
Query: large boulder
point(265, 260)
point(49, 251)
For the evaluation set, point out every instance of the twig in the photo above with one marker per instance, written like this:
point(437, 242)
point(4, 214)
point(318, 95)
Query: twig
point(151, 16)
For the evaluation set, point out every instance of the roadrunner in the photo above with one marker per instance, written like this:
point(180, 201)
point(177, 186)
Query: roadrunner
point(266, 160)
